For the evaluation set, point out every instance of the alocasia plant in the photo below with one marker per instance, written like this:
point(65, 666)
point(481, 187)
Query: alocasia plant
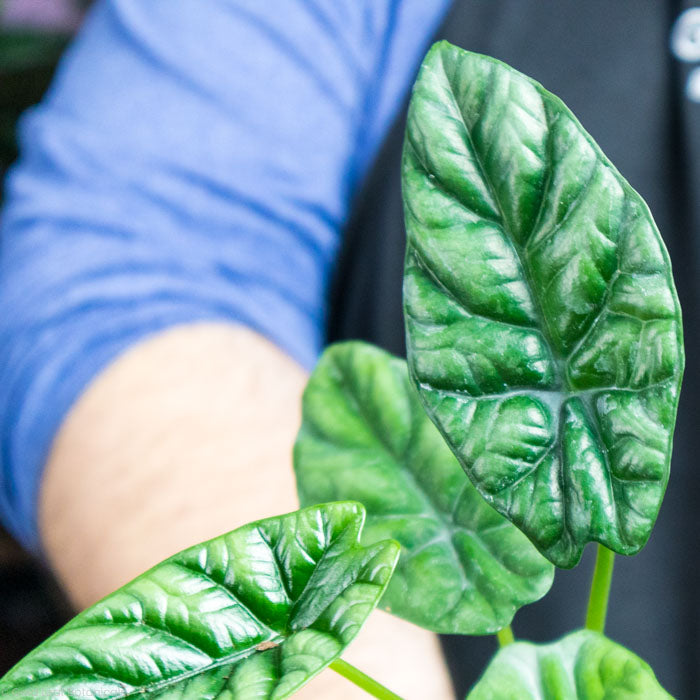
point(543, 326)
point(256, 613)
point(545, 343)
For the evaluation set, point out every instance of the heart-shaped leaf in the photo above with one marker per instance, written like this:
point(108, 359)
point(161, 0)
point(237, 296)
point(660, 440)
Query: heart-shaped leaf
point(464, 569)
point(582, 666)
point(544, 331)
point(252, 614)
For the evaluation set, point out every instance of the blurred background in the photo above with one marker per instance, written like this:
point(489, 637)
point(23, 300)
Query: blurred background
point(33, 34)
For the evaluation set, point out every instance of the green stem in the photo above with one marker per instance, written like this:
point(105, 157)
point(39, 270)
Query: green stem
point(600, 590)
point(362, 680)
point(505, 636)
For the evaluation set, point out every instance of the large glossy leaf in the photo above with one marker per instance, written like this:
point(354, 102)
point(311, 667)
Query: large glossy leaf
point(252, 614)
point(544, 331)
point(464, 568)
point(582, 666)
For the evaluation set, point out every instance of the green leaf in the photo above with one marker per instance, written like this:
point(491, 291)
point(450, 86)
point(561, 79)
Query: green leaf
point(464, 569)
point(252, 614)
point(544, 331)
point(583, 665)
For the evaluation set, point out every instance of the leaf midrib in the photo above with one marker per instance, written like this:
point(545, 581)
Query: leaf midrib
point(156, 686)
point(558, 365)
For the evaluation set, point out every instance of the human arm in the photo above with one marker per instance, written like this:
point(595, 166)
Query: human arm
point(186, 436)
point(149, 200)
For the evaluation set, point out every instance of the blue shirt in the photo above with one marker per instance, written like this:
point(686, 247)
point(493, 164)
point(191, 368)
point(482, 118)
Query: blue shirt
point(192, 161)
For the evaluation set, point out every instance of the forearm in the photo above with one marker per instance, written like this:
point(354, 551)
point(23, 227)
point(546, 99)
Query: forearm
point(184, 437)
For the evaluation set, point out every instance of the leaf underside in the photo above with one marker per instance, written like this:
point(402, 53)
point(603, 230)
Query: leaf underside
point(253, 614)
point(464, 569)
point(584, 665)
point(543, 326)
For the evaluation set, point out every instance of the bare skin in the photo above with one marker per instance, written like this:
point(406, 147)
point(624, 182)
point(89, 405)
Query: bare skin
point(185, 436)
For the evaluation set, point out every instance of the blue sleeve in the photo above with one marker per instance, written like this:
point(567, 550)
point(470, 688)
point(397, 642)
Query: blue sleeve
point(192, 161)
